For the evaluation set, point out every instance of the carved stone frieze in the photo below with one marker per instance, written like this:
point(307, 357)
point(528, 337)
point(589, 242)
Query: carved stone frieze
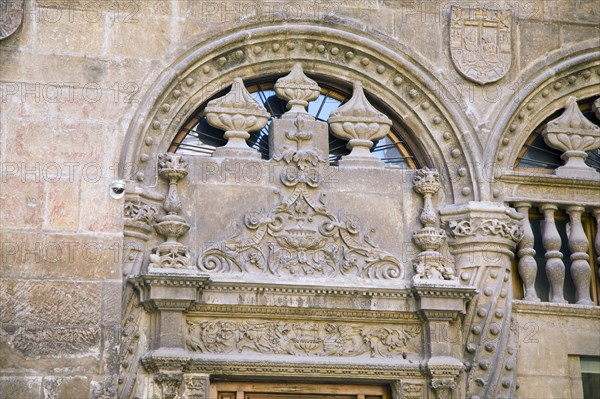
point(301, 338)
point(301, 236)
point(486, 227)
point(480, 42)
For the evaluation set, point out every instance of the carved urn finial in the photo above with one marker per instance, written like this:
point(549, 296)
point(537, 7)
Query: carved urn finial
point(297, 89)
point(237, 113)
point(360, 123)
point(575, 135)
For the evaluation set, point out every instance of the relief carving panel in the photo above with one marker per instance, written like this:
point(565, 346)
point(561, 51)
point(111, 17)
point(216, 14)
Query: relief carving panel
point(302, 338)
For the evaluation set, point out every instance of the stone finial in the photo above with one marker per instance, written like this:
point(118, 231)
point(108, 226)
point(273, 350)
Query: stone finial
point(171, 253)
point(430, 266)
point(360, 123)
point(575, 135)
point(237, 113)
point(297, 89)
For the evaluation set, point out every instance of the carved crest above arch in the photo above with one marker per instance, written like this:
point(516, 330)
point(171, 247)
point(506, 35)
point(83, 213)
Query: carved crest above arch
point(480, 42)
point(406, 86)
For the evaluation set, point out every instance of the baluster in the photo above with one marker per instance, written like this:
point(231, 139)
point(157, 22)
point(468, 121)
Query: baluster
point(527, 265)
point(555, 268)
point(580, 267)
point(597, 240)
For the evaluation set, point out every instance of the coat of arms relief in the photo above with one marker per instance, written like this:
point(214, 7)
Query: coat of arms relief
point(480, 43)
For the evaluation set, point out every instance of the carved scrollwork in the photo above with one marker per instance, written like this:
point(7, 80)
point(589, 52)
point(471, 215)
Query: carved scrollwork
point(301, 338)
point(140, 212)
point(301, 236)
point(486, 227)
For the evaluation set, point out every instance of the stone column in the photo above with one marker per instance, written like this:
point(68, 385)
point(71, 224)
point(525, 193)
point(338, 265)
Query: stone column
point(526, 253)
point(597, 238)
point(483, 240)
point(555, 268)
point(580, 267)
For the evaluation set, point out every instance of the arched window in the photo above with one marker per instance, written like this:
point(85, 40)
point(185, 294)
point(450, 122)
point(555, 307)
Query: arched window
point(197, 137)
point(537, 155)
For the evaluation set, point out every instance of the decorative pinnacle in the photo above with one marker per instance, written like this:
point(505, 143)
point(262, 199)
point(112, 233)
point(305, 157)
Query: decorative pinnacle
point(571, 121)
point(297, 89)
point(237, 112)
point(359, 122)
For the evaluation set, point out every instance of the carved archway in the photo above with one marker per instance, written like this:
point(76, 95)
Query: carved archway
point(407, 87)
point(543, 91)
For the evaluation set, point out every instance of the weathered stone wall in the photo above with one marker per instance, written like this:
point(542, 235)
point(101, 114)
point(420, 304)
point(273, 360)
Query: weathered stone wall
point(71, 79)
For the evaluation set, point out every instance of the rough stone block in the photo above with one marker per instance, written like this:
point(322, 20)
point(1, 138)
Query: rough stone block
point(68, 32)
point(66, 387)
point(62, 208)
point(148, 38)
point(14, 387)
point(537, 38)
point(22, 199)
point(45, 146)
point(108, 214)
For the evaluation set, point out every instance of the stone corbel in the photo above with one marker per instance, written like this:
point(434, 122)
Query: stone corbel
point(168, 296)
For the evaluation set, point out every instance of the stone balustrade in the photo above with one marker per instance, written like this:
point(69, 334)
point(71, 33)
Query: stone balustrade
point(564, 247)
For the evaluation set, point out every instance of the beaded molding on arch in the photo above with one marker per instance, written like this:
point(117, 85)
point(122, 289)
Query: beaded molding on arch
point(529, 114)
point(404, 82)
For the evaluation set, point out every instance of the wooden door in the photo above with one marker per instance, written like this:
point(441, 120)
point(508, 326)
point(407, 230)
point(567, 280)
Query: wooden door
point(246, 390)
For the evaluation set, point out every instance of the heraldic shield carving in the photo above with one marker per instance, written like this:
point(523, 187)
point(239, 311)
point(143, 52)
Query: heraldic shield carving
point(480, 43)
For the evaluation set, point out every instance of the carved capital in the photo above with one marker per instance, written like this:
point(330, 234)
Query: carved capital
point(481, 222)
point(170, 383)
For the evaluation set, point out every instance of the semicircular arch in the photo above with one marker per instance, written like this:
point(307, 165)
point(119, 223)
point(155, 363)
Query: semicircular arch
point(544, 90)
point(396, 79)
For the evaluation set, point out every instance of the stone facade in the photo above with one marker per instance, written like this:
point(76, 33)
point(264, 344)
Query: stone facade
point(422, 281)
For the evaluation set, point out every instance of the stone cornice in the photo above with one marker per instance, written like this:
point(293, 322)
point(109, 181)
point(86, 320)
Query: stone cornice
point(545, 179)
point(556, 309)
point(534, 188)
point(286, 289)
point(197, 310)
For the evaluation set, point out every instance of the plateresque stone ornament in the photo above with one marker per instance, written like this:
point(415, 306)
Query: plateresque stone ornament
point(297, 89)
point(480, 43)
point(237, 113)
point(171, 254)
point(430, 266)
point(360, 123)
point(575, 135)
